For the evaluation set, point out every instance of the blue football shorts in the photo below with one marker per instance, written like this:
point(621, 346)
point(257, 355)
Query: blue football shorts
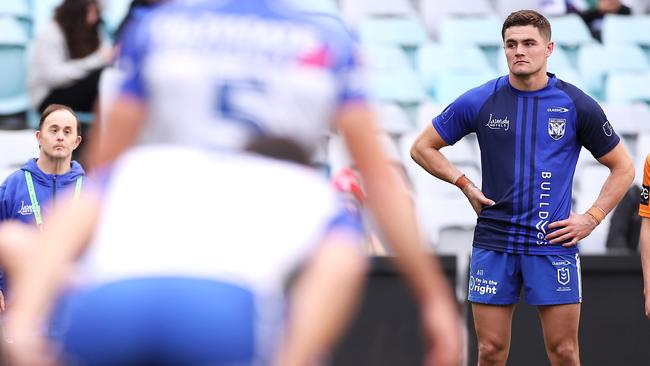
point(496, 278)
point(159, 321)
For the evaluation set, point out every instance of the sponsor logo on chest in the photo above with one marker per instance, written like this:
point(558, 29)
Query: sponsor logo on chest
point(498, 124)
point(25, 210)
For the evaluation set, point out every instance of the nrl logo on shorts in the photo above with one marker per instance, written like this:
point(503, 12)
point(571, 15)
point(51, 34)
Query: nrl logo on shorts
point(563, 276)
point(556, 128)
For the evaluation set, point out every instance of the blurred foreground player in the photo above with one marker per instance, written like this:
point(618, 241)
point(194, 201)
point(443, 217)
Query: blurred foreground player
point(214, 74)
point(172, 282)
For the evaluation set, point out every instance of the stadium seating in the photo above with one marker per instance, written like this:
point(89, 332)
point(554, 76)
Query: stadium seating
point(628, 87)
point(400, 31)
point(13, 73)
point(42, 13)
point(570, 31)
point(392, 118)
point(18, 9)
point(433, 11)
point(426, 111)
point(16, 147)
point(591, 177)
point(433, 61)
point(113, 12)
point(628, 119)
point(471, 30)
point(355, 10)
point(619, 29)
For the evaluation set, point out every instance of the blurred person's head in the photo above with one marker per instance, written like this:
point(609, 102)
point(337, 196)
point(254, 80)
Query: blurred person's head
point(609, 6)
point(79, 20)
point(136, 8)
point(58, 132)
point(527, 42)
point(280, 148)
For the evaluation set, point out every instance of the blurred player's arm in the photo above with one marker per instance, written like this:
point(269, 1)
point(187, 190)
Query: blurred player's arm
point(317, 317)
point(644, 245)
point(126, 117)
point(38, 268)
point(579, 226)
point(426, 152)
point(394, 213)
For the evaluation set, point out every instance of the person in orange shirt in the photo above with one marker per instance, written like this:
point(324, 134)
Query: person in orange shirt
point(644, 238)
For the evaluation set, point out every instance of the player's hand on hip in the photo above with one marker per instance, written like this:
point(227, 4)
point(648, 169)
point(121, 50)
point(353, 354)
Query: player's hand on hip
point(571, 230)
point(476, 198)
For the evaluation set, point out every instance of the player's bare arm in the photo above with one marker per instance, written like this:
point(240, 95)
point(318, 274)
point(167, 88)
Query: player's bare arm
point(394, 212)
point(644, 245)
point(579, 226)
point(426, 153)
point(126, 118)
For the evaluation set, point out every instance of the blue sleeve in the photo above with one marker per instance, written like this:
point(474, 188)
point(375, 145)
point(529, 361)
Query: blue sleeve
point(347, 218)
point(133, 51)
point(3, 216)
point(3, 202)
point(595, 132)
point(345, 63)
point(457, 120)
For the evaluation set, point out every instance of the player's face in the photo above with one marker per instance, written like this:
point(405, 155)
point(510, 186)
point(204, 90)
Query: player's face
point(58, 136)
point(526, 50)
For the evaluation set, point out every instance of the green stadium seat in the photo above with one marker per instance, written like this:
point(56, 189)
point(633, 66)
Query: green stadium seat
point(570, 31)
point(13, 73)
point(619, 29)
point(400, 31)
point(434, 60)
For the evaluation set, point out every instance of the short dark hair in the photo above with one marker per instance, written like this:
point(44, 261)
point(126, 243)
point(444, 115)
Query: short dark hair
point(281, 148)
point(57, 107)
point(527, 17)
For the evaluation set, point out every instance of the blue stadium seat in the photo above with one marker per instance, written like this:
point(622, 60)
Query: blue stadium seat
point(434, 60)
point(399, 86)
point(353, 11)
point(16, 147)
point(452, 84)
point(627, 87)
point(570, 31)
point(113, 12)
point(612, 58)
point(43, 13)
point(619, 29)
point(400, 31)
point(481, 31)
point(19, 9)
point(13, 73)
point(433, 11)
point(384, 57)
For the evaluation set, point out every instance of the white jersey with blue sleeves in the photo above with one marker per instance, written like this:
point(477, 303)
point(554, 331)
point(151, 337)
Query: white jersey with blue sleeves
point(215, 73)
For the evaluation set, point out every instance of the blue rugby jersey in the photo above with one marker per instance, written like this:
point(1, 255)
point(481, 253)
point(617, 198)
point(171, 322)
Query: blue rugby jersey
point(530, 142)
point(215, 73)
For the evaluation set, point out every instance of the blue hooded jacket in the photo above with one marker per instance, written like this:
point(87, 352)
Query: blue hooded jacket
point(15, 203)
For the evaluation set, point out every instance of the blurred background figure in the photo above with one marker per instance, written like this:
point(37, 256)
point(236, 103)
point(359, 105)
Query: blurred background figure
point(625, 226)
point(27, 194)
point(644, 212)
point(68, 56)
point(594, 16)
